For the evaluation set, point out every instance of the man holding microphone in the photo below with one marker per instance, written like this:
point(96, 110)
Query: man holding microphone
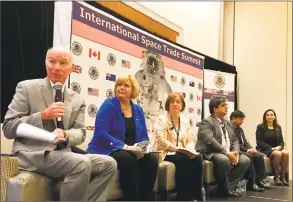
point(84, 177)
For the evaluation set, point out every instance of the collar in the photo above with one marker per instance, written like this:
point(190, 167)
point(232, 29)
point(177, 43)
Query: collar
point(52, 85)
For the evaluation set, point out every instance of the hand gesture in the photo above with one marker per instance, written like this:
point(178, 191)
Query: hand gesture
point(55, 110)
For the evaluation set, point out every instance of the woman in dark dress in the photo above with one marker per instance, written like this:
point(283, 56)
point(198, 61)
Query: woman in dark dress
point(269, 140)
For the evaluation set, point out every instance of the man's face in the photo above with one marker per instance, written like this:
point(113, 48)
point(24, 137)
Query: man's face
point(221, 110)
point(237, 121)
point(58, 65)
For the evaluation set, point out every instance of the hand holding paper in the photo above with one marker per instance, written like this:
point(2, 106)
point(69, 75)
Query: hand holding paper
point(28, 131)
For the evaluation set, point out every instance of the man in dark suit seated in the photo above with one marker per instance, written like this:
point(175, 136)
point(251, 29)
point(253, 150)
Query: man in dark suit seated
point(84, 177)
point(218, 143)
point(256, 171)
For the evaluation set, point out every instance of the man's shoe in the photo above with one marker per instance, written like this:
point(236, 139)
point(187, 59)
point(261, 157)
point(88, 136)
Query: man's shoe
point(263, 184)
point(233, 193)
point(253, 187)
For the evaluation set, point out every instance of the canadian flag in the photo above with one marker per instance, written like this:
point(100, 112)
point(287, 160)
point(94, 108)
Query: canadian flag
point(93, 53)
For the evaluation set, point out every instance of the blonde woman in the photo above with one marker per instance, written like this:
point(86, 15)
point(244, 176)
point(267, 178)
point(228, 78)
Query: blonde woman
point(119, 125)
point(172, 132)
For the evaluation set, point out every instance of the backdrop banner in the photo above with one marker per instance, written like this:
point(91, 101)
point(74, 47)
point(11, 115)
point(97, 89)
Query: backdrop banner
point(218, 84)
point(105, 48)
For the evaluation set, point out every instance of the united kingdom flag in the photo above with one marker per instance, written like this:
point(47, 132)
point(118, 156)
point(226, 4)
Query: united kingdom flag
point(77, 69)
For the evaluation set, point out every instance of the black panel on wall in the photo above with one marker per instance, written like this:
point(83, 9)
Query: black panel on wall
point(26, 34)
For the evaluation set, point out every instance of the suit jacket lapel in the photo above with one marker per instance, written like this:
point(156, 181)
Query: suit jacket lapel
point(218, 129)
point(68, 110)
point(47, 93)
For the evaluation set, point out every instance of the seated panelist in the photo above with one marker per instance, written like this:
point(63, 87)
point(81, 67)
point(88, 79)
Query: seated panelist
point(84, 177)
point(120, 124)
point(172, 133)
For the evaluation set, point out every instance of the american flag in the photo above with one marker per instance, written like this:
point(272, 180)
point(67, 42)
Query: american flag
point(93, 91)
point(191, 83)
point(77, 69)
point(93, 53)
point(126, 64)
point(173, 78)
point(110, 77)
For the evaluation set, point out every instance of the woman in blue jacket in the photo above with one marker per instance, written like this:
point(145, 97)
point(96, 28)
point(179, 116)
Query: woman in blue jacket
point(119, 125)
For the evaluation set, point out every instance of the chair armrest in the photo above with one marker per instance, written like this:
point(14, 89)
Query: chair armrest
point(29, 186)
point(166, 176)
point(208, 172)
point(9, 168)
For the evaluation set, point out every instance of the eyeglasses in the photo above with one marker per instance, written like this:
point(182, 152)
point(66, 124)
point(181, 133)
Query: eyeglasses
point(224, 105)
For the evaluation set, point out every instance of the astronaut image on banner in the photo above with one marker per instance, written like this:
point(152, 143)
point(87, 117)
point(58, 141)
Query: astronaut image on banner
point(154, 87)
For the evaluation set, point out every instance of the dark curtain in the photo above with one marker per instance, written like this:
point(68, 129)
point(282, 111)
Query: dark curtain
point(26, 34)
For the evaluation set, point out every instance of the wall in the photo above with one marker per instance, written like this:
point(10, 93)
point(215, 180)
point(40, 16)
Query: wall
point(201, 23)
point(262, 55)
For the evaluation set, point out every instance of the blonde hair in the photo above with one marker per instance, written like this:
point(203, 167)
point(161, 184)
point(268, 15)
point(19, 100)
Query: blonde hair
point(135, 87)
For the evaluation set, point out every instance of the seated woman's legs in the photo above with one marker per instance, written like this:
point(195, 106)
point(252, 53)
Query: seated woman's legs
point(276, 157)
point(128, 174)
point(148, 166)
point(284, 166)
point(184, 178)
point(196, 169)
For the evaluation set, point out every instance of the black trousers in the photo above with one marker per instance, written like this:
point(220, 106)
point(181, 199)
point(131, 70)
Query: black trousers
point(256, 169)
point(137, 176)
point(188, 176)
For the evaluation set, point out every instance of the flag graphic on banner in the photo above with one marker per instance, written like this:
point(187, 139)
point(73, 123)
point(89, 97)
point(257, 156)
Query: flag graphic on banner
point(198, 98)
point(126, 64)
point(191, 83)
point(184, 95)
point(173, 78)
point(77, 69)
point(93, 91)
point(110, 77)
point(93, 53)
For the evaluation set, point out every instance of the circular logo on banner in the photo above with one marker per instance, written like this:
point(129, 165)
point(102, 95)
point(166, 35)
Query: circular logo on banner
point(75, 87)
point(191, 122)
point(182, 81)
point(76, 48)
point(92, 110)
point(191, 97)
point(94, 73)
point(219, 80)
point(109, 93)
point(199, 86)
point(111, 59)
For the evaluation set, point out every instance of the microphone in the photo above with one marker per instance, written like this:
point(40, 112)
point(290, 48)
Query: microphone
point(59, 98)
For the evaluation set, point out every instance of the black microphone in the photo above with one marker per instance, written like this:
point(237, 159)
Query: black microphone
point(59, 98)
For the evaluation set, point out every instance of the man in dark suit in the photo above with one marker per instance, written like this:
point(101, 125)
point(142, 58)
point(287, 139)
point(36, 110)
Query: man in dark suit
point(218, 143)
point(256, 171)
point(84, 177)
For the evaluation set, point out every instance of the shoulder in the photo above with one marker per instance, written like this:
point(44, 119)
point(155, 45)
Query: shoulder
point(31, 82)
point(260, 126)
point(162, 118)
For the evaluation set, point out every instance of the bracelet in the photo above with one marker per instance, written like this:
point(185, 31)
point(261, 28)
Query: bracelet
point(125, 147)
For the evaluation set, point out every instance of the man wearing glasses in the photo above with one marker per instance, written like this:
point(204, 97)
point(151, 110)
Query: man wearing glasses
point(218, 143)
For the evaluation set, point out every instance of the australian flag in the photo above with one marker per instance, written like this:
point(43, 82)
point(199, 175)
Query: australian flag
point(110, 77)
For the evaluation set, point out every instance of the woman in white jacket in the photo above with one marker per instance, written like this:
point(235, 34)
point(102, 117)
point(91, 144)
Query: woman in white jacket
point(174, 141)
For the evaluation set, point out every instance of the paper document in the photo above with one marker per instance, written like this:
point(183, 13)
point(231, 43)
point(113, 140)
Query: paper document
point(188, 151)
point(35, 133)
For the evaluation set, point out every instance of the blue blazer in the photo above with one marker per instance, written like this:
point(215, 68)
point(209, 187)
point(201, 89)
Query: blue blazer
point(110, 127)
